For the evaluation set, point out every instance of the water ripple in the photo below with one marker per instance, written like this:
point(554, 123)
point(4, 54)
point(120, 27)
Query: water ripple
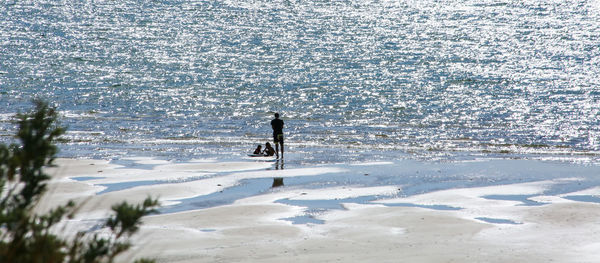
point(424, 77)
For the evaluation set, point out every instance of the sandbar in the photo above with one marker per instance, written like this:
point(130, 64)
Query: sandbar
point(495, 223)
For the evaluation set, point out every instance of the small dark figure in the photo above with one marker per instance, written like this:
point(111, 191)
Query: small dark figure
point(277, 125)
point(269, 151)
point(258, 149)
point(277, 182)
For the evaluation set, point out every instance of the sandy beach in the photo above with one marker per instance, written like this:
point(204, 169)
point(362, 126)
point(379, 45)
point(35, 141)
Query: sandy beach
point(494, 223)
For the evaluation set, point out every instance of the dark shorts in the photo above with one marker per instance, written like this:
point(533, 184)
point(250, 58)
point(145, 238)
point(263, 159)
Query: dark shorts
point(278, 137)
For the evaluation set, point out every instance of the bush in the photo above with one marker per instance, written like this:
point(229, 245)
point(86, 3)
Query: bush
point(27, 237)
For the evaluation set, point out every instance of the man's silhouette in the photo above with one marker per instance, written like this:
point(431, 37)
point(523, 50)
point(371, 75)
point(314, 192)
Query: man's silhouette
point(277, 125)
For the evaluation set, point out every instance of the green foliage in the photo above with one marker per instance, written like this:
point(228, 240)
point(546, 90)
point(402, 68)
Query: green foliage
point(27, 237)
point(128, 217)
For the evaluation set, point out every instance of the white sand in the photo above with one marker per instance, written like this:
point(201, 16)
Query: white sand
point(251, 229)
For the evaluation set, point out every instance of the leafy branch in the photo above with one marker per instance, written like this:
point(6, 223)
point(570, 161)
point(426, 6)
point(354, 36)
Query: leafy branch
point(27, 237)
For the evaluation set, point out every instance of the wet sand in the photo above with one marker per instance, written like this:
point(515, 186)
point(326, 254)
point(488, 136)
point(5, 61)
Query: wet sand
point(497, 223)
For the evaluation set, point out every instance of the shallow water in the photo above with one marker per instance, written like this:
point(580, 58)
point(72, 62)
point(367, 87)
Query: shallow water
point(354, 80)
point(410, 177)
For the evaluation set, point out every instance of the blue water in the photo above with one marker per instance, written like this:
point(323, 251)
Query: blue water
point(353, 80)
point(521, 198)
point(410, 177)
point(497, 220)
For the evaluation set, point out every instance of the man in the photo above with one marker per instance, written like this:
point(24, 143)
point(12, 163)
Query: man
point(277, 125)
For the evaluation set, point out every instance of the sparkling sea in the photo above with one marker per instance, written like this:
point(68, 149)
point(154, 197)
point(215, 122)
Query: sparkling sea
point(353, 80)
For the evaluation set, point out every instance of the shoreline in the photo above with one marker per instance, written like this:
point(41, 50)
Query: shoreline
point(367, 217)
